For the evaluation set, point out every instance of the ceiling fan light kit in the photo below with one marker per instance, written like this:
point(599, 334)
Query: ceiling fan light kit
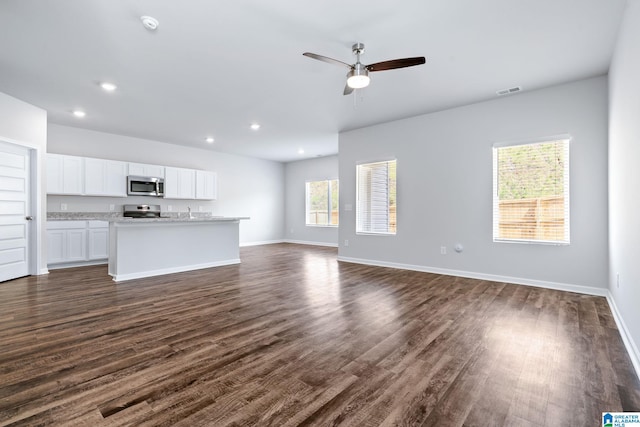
point(358, 75)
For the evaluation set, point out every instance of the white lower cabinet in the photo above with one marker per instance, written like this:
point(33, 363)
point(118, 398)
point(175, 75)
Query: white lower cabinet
point(77, 242)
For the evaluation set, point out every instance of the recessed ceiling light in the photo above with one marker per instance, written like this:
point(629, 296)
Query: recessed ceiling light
point(301, 151)
point(149, 22)
point(255, 126)
point(109, 87)
point(209, 140)
point(79, 113)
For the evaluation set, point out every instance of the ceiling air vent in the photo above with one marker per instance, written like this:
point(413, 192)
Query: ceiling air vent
point(508, 91)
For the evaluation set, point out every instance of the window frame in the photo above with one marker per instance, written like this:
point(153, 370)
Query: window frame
point(329, 202)
point(566, 191)
point(358, 207)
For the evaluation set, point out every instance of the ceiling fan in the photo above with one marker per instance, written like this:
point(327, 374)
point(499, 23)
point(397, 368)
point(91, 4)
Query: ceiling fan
point(358, 75)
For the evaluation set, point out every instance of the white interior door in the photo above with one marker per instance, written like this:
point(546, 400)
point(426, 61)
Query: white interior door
point(14, 211)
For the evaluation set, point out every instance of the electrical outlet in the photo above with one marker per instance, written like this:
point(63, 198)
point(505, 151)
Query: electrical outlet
point(170, 208)
point(443, 250)
point(292, 231)
point(200, 208)
point(63, 206)
point(348, 207)
point(112, 208)
point(346, 242)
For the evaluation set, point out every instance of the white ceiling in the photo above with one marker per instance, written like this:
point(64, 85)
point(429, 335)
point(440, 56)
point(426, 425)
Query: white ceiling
point(215, 67)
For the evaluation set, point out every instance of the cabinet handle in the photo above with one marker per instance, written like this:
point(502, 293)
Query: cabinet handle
point(28, 217)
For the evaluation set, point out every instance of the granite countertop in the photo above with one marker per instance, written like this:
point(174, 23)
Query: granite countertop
point(117, 217)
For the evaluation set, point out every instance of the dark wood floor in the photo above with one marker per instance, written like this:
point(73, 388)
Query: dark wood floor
point(293, 337)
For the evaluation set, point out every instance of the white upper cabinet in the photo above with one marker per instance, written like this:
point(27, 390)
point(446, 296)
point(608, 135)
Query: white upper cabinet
point(64, 174)
point(86, 176)
point(140, 169)
point(179, 183)
point(206, 185)
point(105, 178)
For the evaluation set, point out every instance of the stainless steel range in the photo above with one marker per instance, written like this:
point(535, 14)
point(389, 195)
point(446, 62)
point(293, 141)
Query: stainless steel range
point(142, 211)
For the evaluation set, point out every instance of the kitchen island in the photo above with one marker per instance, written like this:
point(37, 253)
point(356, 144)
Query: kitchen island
point(145, 247)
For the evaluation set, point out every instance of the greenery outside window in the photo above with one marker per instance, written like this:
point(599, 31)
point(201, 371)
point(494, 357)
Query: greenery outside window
point(322, 203)
point(531, 192)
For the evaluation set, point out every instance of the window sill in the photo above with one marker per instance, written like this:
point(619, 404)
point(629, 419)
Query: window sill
point(320, 226)
point(371, 233)
point(532, 242)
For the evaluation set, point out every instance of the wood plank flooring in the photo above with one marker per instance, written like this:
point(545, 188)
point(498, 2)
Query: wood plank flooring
point(293, 337)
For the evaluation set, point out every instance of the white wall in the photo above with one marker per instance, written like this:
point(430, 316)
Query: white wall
point(296, 175)
point(445, 188)
point(26, 125)
point(246, 186)
point(624, 177)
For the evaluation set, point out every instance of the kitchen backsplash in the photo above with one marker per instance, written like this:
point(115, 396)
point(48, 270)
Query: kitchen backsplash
point(115, 204)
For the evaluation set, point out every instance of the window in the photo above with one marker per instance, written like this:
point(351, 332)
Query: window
point(376, 198)
point(531, 192)
point(322, 203)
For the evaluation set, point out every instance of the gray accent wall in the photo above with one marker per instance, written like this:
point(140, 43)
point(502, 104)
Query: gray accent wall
point(444, 188)
point(296, 176)
point(247, 186)
point(624, 178)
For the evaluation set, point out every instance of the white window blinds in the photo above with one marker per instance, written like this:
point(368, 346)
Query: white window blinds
point(376, 198)
point(531, 192)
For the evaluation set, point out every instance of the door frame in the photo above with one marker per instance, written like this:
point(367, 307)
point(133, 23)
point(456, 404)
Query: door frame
point(37, 203)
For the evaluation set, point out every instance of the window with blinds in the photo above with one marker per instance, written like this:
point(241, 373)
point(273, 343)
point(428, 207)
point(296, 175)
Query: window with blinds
point(322, 203)
point(531, 192)
point(376, 198)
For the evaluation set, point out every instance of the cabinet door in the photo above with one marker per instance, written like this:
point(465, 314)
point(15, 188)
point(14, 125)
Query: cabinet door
point(56, 240)
point(142, 169)
point(186, 183)
point(98, 243)
point(64, 174)
point(171, 183)
point(206, 185)
point(55, 182)
point(179, 183)
point(72, 174)
point(116, 179)
point(76, 248)
point(94, 177)
point(105, 178)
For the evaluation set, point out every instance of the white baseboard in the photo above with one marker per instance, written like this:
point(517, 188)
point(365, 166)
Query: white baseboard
point(263, 242)
point(181, 269)
point(306, 242)
point(629, 344)
point(589, 290)
point(77, 264)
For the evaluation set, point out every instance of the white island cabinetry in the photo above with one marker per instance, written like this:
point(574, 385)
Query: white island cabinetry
point(151, 247)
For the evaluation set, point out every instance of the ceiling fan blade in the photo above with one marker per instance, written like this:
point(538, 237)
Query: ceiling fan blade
point(396, 63)
point(347, 90)
point(326, 59)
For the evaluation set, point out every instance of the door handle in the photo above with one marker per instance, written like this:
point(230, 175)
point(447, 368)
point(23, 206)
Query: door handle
point(28, 217)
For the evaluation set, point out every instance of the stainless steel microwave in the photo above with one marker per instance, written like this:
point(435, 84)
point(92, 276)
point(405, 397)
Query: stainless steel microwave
point(145, 186)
